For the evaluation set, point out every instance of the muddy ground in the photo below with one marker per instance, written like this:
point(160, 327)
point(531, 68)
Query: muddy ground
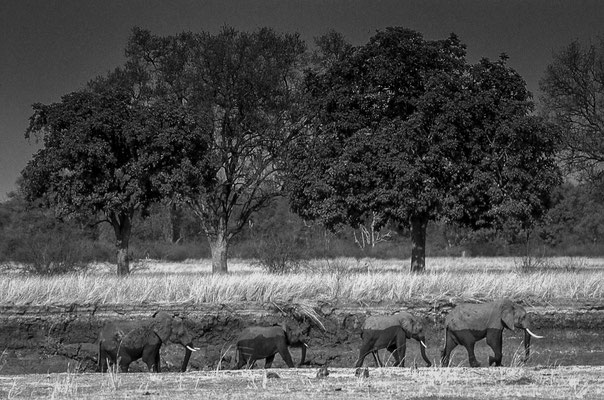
point(63, 338)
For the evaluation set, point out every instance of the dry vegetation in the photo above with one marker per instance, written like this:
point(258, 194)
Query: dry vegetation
point(348, 280)
point(458, 383)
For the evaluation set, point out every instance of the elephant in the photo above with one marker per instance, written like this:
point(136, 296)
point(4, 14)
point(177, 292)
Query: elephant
point(391, 332)
point(259, 342)
point(468, 323)
point(125, 343)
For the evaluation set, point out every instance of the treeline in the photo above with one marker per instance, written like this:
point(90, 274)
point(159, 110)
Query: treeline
point(281, 241)
point(396, 148)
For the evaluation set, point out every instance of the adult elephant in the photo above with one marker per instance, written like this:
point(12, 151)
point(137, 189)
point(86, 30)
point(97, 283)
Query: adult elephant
point(391, 332)
point(259, 342)
point(468, 323)
point(125, 343)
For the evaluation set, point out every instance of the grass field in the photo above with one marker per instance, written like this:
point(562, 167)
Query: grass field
point(346, 280)
point(432, 383)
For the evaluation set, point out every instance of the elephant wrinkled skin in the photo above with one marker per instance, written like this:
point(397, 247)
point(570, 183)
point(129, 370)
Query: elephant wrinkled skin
point(468, 323)
point(125, 344)
point(391, 332)
point(258, 342)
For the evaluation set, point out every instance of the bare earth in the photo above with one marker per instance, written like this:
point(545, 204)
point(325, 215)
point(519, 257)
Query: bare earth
point(422, 383)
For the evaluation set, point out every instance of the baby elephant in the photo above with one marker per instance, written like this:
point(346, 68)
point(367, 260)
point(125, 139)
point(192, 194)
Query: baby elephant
point(125, 343)
point(257, 342)
point(391, 332)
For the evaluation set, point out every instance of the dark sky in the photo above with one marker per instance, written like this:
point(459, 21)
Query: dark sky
point(49, 47)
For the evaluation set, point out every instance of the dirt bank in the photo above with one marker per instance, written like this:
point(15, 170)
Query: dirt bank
point(61, 338)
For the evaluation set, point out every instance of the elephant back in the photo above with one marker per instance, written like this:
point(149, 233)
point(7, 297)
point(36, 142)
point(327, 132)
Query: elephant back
point(475, 316)
point(380, 322)
point(253, 332)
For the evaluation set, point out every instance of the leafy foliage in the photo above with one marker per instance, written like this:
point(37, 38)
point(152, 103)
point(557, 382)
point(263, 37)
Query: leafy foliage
point(105, 149)
point(242, 87)
point(405, 128)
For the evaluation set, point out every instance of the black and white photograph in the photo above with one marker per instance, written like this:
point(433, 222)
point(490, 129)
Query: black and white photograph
point(302, 199)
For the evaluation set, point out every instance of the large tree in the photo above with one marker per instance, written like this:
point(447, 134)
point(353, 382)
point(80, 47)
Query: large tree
point(107, 149)
point(405, 129)
point(573, 97)
point(243, 88)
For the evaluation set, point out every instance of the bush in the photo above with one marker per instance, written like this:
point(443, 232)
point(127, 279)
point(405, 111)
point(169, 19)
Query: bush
point(49, 252)
point(279, 255)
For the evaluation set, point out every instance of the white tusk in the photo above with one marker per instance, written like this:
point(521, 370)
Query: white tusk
point(192, 348)
point(305, 345)
point(423, 344)
point(532, 334)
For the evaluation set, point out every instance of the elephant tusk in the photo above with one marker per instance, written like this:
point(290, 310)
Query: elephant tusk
point(423, 344)
point(533, 335)
point(305, 345)
point(192, 348)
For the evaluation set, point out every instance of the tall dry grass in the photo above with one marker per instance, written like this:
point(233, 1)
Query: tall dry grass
point(358, 281)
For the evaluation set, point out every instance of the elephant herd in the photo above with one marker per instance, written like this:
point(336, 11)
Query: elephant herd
point(465, 325)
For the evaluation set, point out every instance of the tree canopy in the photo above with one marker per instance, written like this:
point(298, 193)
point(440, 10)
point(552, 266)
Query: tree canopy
point(105, 149)
point(243, 89)
point(573, 97)
point(406, 129)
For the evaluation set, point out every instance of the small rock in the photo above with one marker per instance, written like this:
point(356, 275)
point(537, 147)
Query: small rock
point(362, 372)
point(272, 375)
point(322, 373)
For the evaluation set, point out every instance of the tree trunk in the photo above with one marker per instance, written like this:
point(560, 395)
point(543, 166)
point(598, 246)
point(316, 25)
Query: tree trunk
point(122, 229)
point(418, 242)
point(219, 246)
point(175, 222)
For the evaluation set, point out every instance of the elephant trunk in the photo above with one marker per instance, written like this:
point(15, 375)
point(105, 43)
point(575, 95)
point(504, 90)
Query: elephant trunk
point(527, 344)
point(185, 362)
point(303, 359)
point(188, 350)
point(422, 349)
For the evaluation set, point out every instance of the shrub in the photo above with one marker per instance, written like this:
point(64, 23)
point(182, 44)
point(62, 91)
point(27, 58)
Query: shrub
point(279, 255)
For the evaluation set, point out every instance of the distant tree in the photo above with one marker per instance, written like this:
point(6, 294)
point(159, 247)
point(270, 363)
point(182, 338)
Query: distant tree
point(576, 217)
point(243, 88)
point(405, 130)
point(105, 149)
point(573, 97)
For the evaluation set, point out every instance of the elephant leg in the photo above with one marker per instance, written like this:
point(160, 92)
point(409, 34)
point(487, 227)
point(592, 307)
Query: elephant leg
point(450, 343)
point(495, 341)
point(287, 357)
point(124, 360)
point(103, 360)
point(376, 358)
point(366, 348)
point(157, 362)
point(151, 358)
point(241, 360)
point(399, 350)
point(124, 366)
point(467, 339)
point(269, 361)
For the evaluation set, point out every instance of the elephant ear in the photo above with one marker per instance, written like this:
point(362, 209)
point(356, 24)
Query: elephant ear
point(409, 324)
point(507, 316)
point(292, 334)
point(287, 329)
point(163, 325)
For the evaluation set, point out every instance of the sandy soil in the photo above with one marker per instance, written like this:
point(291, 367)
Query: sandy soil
point(426, 383)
